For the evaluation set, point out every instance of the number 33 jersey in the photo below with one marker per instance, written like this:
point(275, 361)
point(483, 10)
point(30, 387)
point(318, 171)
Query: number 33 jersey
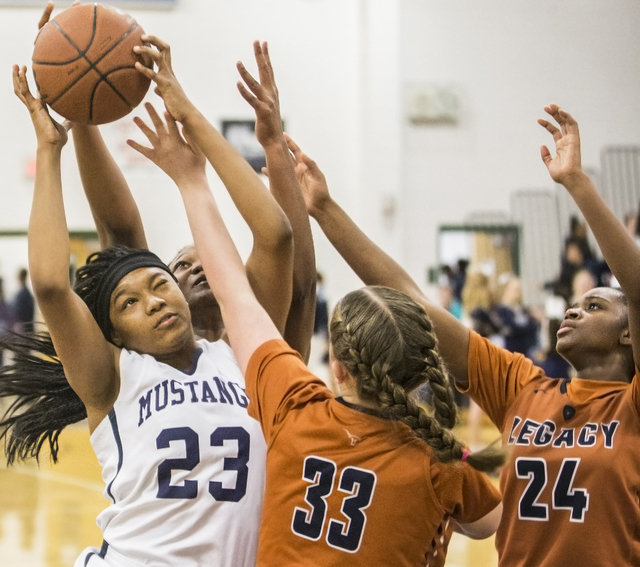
point(345, 487)
point(183, 463)
point(571, 485)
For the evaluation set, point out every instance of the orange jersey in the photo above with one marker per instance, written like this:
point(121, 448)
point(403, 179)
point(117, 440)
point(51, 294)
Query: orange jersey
point(344, 487)
point(571, 485)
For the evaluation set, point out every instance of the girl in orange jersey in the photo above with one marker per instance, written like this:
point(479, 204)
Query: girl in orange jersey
point(365, 479)
point(570, 488)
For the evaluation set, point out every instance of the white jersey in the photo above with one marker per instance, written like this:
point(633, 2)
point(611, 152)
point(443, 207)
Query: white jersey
point(183, 465)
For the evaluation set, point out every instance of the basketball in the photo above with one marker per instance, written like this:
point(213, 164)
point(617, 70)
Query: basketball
point(84, 64)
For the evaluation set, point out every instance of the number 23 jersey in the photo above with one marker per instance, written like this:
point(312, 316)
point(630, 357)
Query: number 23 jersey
point(183, 463)
point(571, 485)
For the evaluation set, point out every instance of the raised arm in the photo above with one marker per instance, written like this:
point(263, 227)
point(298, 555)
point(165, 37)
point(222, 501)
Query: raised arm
point(89, 361)
point(373, 266)
point(619, 250)
point(247, 323)
point(114, 210)
point(263, 97)
point(272, 237)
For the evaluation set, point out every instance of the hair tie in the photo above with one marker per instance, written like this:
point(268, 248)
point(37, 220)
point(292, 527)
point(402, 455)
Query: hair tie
point(465, 454)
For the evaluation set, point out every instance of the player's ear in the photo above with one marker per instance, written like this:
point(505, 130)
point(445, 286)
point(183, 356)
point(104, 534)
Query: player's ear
point(625, 337)
point(339, 371)
point(116, 340)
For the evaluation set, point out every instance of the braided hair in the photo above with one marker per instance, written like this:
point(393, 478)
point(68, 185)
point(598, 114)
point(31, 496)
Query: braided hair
point(42, 402)
point(385, 340)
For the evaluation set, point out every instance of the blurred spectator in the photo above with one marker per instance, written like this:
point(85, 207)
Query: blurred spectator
point(583, 281)
point(514, 322)
point(448, 301)
point(321, 322)
point(6, 317)
point(23, 305)
point(477, 302)
point(459, 279)
point(578, 237)
point(552, 363)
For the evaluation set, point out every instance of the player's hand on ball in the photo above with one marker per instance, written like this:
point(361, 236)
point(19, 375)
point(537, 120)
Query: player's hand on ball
point(48, 131)
point(167, 85)
point(46, 15)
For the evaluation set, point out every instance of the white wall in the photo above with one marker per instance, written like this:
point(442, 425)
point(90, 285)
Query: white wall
point(507, 59)
point(341, 66)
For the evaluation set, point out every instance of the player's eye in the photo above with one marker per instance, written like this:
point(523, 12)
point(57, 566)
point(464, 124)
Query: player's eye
point(180, 265)
point(128, 303)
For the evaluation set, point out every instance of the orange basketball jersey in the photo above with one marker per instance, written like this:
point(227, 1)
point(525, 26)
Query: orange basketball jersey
point(344, 487)
point(571, 485)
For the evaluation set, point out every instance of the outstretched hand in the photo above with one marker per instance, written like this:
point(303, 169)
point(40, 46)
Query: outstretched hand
point(262, 96)
point(311, 180)
point(48, 131)
point(567, 163)
point(170, 151)
point(167, 85)
point(48, 9)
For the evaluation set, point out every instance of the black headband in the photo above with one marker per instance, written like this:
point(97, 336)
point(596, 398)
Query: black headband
point(118, 270)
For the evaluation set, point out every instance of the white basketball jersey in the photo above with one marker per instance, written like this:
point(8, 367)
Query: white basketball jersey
point(183, 463)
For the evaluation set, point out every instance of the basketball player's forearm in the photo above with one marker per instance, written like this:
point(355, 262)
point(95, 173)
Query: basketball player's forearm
point(284, 187)
point(618, 247)
point(246, 322)
point(48, 237)
point(114, 210)
point(255, 204)
point(375, 267)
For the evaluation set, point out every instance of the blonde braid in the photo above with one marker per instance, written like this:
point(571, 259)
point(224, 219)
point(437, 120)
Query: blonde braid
point(386, 342)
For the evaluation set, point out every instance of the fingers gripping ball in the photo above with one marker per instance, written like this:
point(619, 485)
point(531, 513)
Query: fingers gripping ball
point(84, 64)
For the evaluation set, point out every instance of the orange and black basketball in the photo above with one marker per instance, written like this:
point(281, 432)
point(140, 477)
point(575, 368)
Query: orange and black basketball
point(84, 64)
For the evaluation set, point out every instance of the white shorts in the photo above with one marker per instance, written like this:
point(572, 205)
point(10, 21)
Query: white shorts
point(103, 557)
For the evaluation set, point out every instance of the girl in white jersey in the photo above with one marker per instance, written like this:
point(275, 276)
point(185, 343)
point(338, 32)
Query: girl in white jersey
point(182, 461)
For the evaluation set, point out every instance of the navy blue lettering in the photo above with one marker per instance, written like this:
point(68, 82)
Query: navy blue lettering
point(207, 393)
point(177, 390)
point(544, 434)
point(165, 388)
point(225, 397)
point(565, 437)
point(145, 402)
point(528, 428)
point(512, 439)
point(587, 437)
point(192, 386)
point(242, 400)
point(609, 430)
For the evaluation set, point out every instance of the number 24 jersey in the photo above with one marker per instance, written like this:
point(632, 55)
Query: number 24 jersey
point(571, 486)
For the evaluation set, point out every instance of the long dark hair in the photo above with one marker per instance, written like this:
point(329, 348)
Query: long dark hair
point(41, 402)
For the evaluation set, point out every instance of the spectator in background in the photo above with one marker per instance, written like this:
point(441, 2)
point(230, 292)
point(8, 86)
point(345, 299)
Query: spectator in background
point(583, 281)
point(24, 306)
point(459, 279)
point(321, 321)
point(514, 322)
point(578, 237)
point(6, 317)
point(552, 363)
